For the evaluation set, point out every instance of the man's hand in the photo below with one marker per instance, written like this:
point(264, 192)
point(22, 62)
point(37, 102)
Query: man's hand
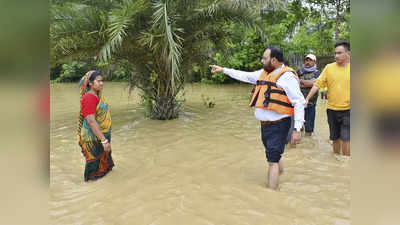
point(296, 137)
point(215, 69)
point(306, 103)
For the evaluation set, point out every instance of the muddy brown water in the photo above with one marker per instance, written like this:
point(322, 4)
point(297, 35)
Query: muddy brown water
point(206, 167)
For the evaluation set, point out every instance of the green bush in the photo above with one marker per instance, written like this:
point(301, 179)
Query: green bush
point(73, 71)
point(242, 53)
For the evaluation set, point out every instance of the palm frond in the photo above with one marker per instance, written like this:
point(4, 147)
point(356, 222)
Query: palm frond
point(225, 12)
point(72, 19)
point(119, 20)
point(171, 52)
point(271, 4)
point(74, 29)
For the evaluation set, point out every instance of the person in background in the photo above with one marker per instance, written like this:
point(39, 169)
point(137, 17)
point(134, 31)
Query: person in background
point(324, 93)
point(308, 74)
point(336, 76)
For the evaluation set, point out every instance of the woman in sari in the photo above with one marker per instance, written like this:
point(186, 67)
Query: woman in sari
point(94, 128)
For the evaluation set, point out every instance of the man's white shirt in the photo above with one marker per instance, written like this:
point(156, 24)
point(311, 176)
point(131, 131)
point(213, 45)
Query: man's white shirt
point(288, 82)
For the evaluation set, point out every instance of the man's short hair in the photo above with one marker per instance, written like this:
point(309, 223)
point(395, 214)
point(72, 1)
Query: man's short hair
point(276, 52)
point(345, 45)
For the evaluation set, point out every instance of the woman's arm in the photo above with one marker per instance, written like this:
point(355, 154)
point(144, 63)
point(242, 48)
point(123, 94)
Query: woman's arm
point(96, 130)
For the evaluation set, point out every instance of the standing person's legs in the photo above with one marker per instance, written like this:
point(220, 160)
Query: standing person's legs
point(337, 145)
point(324, 95)
point(280, 167)
point(309, 117)
point(345, 131)
point(334, 129)
point(274, 139)
point(273, 175)
point(346, 148)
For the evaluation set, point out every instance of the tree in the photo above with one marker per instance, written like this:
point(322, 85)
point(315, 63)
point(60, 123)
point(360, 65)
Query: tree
point(160, 38)
point(333, 10)
point(301, 27)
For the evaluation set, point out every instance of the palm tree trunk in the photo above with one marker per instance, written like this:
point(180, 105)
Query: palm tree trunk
point(165, 106)
point(338, 6)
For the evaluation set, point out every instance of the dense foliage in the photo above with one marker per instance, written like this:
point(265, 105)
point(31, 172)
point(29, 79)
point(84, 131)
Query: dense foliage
point(159, 45)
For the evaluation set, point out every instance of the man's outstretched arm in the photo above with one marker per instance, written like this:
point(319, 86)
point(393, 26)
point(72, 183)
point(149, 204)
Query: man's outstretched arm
point(248, 77)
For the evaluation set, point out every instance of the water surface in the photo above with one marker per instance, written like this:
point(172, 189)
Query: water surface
point(206, 167)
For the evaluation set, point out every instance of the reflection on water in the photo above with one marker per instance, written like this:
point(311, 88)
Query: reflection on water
point(206, 167)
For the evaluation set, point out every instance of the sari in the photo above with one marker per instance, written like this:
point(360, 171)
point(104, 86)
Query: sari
point(98, 162)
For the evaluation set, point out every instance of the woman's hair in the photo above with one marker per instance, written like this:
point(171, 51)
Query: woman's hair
point(93, 76)
point(85, 80)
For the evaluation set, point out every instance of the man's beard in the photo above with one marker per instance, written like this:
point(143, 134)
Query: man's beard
point(269, 68)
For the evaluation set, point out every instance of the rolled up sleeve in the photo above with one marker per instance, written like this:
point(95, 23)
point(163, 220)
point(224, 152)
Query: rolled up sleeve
point(248, 77)
point(321, 81)
point(289, 82)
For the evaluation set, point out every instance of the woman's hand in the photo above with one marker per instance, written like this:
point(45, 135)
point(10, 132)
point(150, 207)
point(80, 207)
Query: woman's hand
point(96, 130)
point(107, 147)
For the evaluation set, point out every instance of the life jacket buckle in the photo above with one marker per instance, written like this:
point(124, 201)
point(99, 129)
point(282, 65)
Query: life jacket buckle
point(267, 96)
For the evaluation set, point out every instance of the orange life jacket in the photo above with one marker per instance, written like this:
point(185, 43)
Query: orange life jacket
point(268, 96)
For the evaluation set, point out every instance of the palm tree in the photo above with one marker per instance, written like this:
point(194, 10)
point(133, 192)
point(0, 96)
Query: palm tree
point(159, 38)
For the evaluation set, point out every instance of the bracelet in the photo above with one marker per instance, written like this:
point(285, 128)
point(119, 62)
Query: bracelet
point(104, 142)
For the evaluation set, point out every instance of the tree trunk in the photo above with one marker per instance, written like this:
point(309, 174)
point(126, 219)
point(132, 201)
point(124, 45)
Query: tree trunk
point(338, 7)
point(165, 108)
point(165, 105)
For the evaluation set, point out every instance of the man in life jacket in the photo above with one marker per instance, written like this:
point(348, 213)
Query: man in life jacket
point(276, 98)
point(336, 76)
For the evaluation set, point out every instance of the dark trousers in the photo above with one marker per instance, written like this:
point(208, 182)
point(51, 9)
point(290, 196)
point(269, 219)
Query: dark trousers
point(274, 139)
point(309, 117)
point(339, 124)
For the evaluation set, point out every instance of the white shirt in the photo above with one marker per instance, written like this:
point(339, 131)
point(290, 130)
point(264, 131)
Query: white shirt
point(289, 82)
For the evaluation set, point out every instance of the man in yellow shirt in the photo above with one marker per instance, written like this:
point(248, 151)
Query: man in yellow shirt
point(336, 77)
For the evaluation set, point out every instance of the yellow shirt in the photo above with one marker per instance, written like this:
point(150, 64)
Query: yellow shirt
point(385, 75)
point(337, 80)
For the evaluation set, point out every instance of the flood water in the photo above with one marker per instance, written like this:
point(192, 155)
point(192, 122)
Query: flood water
point(206, 167)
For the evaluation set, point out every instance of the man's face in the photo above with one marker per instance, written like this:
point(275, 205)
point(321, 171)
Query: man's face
point(341, 55)
point(308, 63)
point(266, 61)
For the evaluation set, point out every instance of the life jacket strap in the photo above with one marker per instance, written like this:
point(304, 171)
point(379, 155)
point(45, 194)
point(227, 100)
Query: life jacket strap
point(264, 82)
point(267, 101)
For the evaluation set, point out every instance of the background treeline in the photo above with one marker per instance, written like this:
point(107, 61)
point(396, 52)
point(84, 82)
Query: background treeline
point(159, 45)
point(299, 27)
